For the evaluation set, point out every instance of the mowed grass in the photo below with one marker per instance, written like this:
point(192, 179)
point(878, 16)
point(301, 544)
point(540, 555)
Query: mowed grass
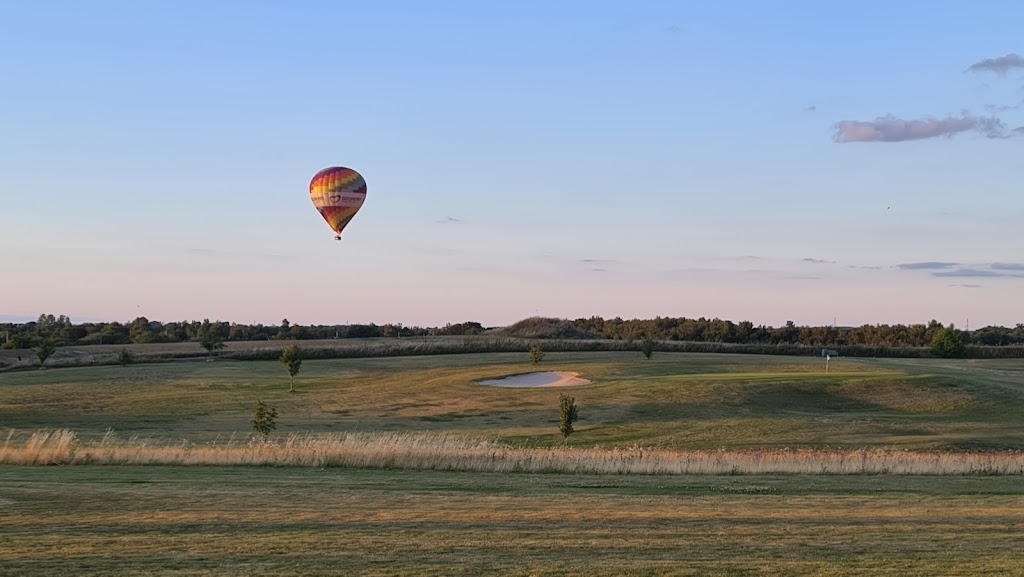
point(208, 521)
point(673, 400)
point(340, 520)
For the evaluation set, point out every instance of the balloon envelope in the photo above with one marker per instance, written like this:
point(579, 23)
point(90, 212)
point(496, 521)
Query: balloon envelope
point(337, 192)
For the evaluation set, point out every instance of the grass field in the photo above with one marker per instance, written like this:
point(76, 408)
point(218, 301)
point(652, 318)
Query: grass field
point(338, 519)
point(294, 521)
point(692, 401)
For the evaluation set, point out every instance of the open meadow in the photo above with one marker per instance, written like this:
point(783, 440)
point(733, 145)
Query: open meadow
point(683, 464)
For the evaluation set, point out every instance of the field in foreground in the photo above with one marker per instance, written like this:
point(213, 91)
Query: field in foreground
point(208, 521)
point(336, 517)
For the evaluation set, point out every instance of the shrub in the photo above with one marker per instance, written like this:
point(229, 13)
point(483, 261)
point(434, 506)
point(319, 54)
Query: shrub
point(536, 355)
point(567, 406)
point(264, 420)
point(647, 347)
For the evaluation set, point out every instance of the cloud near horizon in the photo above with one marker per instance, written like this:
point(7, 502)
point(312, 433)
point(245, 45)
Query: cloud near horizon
point(969, 273)
point(892, 129)
point(958, 270)
point(927, 265)
point(1000, 65)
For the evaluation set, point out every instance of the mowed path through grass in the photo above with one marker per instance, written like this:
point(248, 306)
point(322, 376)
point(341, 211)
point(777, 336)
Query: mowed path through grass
point(680, 400)
point(166, 521)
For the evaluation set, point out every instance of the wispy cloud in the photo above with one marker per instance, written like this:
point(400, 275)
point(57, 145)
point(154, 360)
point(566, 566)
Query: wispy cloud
point(1008, 266)
point(597, 260)
point(449, 219)
point(1000, 65)
point(818, 261)
point(999, 108)
point(958, 270)
point(970, 286)
point(810, 108)
point(893, 129)
point(927, 265)
point(969, 273)
point(673, 30)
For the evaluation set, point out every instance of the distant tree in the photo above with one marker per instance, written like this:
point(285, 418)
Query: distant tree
point(45, 350)
point(283, 332)
point(125, 357)
point(140, 331)
point(948, 342)
point(291, 358)
point(211, 342)
point(647, 347)
point(369, 331)
point(536, 355)
point(45, 325)
point(567, 406)
point(21, 341)
point(297, 332)
point(264, 420)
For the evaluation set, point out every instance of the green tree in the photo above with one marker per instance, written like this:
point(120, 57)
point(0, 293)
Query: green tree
point(140, 331)
point(45, 350)
point(283, 332)
point(567, 406)
point(948, 342)
point(647, 347)
point(536, 355)
point(292, 359)
point(264, 420)
point(125, 357)
point(211, 342)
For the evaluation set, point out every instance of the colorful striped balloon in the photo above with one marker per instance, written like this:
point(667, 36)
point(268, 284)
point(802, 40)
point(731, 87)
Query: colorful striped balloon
point(337, 192)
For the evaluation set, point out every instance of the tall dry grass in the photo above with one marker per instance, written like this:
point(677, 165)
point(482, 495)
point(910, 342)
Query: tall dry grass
point(447, 452)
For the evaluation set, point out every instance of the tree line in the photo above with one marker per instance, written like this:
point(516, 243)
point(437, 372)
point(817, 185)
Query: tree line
point(62, 331)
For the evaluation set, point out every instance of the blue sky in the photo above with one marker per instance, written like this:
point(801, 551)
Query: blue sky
point(747, 160)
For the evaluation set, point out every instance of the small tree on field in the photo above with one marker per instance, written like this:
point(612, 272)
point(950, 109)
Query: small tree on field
point(264, 420)
point(536, 355)
point(568, 408)
point(45, 350)
point(647, 347)
point(211, 342)
point(291, 358)
point(125, 357)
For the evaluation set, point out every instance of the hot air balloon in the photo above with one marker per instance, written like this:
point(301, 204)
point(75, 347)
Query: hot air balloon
point(337, 192)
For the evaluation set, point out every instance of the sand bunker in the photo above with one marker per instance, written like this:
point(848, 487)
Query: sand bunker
point(546, 379)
